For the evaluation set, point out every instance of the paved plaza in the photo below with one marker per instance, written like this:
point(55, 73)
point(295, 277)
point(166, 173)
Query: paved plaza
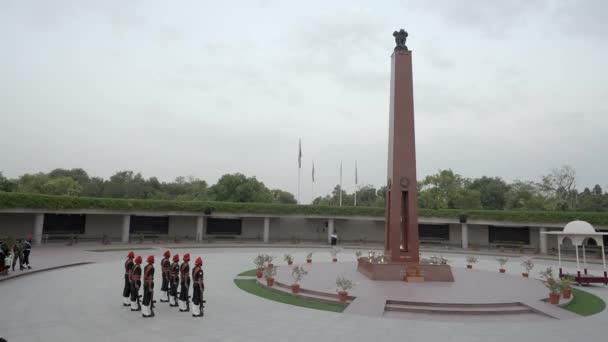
point(84, 303)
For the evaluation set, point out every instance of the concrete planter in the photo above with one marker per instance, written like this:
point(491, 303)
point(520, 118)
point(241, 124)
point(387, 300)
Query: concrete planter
point(554, 298)
point(295, 288)
point(269, 282)
point(259, 273)
point(343, 296)
point(567, 293)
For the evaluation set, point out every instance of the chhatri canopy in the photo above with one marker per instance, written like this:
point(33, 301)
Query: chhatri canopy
point(579, 232)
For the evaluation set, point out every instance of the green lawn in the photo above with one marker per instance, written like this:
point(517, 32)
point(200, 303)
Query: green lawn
point(250, 273)
point(585, 303)
point(118, 249)
point(253, 287)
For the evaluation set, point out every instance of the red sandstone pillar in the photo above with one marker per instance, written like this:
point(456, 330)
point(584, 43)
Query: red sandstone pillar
point(401, 230)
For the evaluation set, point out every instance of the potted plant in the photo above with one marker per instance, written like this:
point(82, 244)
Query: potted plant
point(259, 265)
point(309, 258)
point(334, 254)
point(289, 259)
point(344, 285)
point(565, 285)
point(528, 265)
point(269, 273)
point(297, 274)
point(268, 260)
point(471, 259)
point(358, 254)
point(502, 261)
point(552, 284)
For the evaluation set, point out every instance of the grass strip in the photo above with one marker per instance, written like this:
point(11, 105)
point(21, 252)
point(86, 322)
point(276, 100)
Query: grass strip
point(250, 273)
point(255, 288)
point(585, 303)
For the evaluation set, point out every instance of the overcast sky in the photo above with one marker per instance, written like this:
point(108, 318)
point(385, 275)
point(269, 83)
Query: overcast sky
point(203, 88)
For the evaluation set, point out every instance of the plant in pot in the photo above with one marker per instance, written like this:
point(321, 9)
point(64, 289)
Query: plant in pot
point(289, 259)
point(471, 259)
point(502, 261)
point(552, 284)
point(334, 254)
point(566, 286)
point(528, 265)
point(309, 258)
point(358, 254)
point(268, 260)
point(269, 273)
point(259, 265)
point(344, 284)
point(297, 274)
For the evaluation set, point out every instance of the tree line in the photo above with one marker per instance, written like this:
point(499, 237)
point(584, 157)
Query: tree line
point(449, 190)
point(127, 184)
point(442, 190)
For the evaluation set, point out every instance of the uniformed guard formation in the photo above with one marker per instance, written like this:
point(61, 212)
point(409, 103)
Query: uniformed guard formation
point(173, 275)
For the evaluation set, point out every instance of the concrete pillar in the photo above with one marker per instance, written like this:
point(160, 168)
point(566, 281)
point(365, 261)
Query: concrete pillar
point(465, 234)
point(200, 228)
point(38, 225)
point(126, 228)
point(266, 229)
point(330, 229)
point(542, 240)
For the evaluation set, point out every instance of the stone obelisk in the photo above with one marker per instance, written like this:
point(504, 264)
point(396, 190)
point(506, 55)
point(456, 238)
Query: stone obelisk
point(401, 231)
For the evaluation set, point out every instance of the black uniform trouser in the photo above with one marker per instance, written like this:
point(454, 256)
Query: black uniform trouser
point(26, 257)
point(126, 292)
point(135, 290)
point(148, 288)
point(173, 289)
point(165, 284)
point(20, 257)
point(197, 294)
point(183, 291)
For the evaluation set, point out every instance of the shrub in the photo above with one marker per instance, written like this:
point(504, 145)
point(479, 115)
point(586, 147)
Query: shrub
point(298, 273)
point(344, 284)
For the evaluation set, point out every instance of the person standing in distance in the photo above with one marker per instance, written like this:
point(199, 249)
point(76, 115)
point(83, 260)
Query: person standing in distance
point(184, 274)
point(126, 292)
point(174, 280)
point(148, 302)
point(27, 249)
point(135, 285)
point(165, 265)
point(198, 287)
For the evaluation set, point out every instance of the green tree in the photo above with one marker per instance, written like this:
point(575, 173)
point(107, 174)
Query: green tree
point(62, 186)
point(283, 197)
point(239, 188)
point(6, 184)
point(525, 196)
point(560, 186)
point(32, 183)
point(492, 192)
point(79, 175)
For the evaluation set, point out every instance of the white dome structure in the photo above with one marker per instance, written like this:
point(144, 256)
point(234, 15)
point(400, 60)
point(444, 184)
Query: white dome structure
point(579, 227)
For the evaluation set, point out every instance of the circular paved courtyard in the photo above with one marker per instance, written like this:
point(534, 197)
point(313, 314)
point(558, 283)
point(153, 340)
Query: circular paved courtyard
point(83, 303)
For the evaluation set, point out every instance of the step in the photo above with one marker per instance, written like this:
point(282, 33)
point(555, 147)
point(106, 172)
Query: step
point(459, 311)
point(454, 305)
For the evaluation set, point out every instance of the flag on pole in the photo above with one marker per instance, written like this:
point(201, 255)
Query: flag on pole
point(300, 154)
point(313, 171)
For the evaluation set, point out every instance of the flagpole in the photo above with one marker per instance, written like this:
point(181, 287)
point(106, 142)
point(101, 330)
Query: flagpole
point(299, 166)
point(355, 184)
point(340, 183)
point(312, 191)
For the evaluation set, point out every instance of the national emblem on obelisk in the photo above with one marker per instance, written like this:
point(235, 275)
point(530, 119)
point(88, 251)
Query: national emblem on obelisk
point(400, 38)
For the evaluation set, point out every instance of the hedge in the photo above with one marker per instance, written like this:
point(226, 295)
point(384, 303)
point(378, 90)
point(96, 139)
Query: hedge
point(9, 200)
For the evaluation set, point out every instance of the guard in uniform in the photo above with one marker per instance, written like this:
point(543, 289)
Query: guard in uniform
point(148, 302)
point(174, 280)
point(135, 285)
point(184, 274)
point(126, 292)
point(165, 265)
point(198, 287)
